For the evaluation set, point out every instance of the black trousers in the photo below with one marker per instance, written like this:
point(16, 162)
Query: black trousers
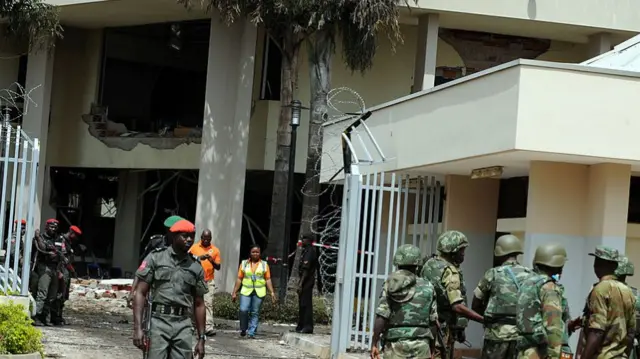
point(305, 311)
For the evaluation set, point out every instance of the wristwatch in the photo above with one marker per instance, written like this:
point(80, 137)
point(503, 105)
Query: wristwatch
point(202, 337)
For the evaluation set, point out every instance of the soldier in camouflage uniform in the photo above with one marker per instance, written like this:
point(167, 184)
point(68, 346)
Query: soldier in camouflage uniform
point(541, 310)
point(496, 297)
point(407, 312)
point(626, 269)
point(609, 319)
point(444, 273)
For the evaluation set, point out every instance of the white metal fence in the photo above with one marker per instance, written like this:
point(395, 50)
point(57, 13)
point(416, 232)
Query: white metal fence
point(19, 156)
point(380, 212)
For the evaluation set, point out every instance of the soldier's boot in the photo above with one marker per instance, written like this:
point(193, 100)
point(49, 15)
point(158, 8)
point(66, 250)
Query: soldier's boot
point(40, 320)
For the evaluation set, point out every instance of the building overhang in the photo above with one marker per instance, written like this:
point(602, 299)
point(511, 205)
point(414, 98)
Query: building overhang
point(509, 115)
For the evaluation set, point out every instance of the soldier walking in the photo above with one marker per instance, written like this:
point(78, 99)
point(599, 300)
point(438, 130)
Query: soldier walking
point(176, 281)
point(626, 269)
point(444, 273)
point(542, 310)
point(496, 297)
point(64, 244)
point(46, 270)
point(407, 312)
point(609, 320)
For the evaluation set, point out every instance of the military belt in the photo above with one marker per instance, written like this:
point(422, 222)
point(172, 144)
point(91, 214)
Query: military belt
point(169, 310)
point(511, 320)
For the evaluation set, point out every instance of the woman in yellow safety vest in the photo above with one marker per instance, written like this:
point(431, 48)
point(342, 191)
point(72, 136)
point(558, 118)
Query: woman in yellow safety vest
point(255, 277)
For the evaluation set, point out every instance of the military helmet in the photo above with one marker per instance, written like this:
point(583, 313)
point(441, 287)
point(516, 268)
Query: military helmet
point(551, 255)
point(407, 255)
point(452, 241)
point(625, 267)
point(508, 244)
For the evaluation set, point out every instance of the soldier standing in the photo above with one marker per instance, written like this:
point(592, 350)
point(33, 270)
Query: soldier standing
point(496, 297)
point(609, 319)
point(156, 241)
point(542, 310)
point(46, 270)
point(444, 273)
point(64, 244)
point(407, 312)
point(176, 281)
point(626, 269)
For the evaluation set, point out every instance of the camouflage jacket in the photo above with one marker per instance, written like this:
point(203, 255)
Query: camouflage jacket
point(499, 290)
point(408, 303)
point(539, 316)
point(450, 289)
point(610, 307)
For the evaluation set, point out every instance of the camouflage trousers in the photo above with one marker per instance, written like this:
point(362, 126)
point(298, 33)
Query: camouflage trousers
point(492, 349)
point(411, 348)
point(449, 341)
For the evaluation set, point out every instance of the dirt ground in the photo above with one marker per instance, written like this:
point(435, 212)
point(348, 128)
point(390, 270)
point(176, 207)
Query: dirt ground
point(101, 329)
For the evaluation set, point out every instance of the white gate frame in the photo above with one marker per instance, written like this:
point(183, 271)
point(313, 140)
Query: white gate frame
point(360, 232)
point(19, 154)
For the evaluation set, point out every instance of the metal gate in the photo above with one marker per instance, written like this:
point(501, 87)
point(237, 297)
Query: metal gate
point(380, 212)
point(19, 156)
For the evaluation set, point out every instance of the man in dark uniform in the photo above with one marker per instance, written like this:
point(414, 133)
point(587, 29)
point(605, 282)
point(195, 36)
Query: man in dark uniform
point(176, 282)
point(46, 270)
point(156, 241)
point(308, 266)
point(64, 244)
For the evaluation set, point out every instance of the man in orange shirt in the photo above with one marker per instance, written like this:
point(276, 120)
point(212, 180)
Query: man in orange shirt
point(209, 257)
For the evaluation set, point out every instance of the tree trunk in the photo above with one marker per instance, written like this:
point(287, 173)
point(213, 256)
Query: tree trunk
point(320, 51)
point(277, 230)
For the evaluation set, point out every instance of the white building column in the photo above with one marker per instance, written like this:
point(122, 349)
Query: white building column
point(471, 206)
point(599, 44)
point(580, 207)
point(35, 121)
point(224, 141)
point(426, 51)
point(129, 205)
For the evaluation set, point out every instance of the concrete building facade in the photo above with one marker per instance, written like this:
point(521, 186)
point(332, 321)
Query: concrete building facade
point(473, 85)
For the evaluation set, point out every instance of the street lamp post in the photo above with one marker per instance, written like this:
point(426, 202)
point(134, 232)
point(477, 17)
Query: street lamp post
point(296, 110)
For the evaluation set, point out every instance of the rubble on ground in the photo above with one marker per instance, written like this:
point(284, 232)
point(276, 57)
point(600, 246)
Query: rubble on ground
point(90, 295)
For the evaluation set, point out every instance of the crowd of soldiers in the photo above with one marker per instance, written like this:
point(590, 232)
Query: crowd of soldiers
point(51, 271)
point(423, 308)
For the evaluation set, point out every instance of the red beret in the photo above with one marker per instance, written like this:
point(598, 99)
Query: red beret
point(75, 229)
point(183, 226)
point(52, 220)
point(23, 221)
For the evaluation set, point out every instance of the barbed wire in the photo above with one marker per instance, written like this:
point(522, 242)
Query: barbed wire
point(341, 102)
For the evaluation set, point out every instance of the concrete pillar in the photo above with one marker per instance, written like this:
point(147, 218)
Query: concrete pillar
point(599, 44)
point(471, 206)
point(126, 242)
point(579, 207)
point(47, 210)
point(224, 141)
point(35, 121)
point(426, 51)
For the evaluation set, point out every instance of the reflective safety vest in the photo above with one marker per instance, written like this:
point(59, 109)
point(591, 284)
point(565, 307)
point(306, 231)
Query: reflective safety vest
point(253, 281)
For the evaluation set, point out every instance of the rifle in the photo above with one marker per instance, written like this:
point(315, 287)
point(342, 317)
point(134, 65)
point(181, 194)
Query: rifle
point(146, 327)
point(440, 339)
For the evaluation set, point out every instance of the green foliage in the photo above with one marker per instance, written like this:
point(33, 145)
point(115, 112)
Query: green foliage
point(9, 292)
point(289, 22)
point(31, 21)
point(17, 335)
point(224, 308)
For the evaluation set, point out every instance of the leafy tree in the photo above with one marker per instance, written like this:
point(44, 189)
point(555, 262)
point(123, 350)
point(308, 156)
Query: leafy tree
point(31, 21)
point(290, 24)
point(358, 24)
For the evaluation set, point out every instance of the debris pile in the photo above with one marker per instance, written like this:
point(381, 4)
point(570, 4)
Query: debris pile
point(88, 295)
